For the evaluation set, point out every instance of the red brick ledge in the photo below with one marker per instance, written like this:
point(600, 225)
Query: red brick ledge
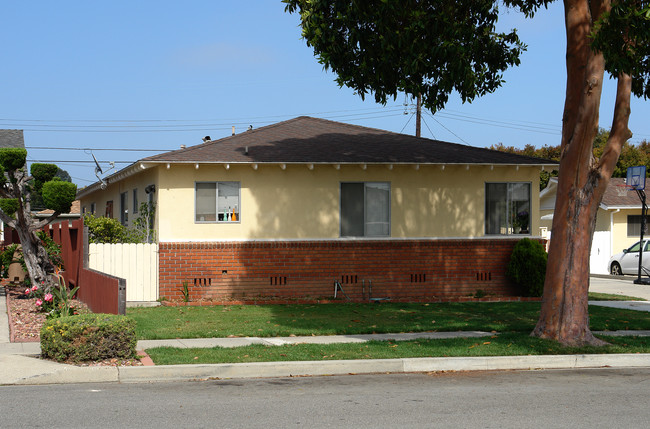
point(281, 301)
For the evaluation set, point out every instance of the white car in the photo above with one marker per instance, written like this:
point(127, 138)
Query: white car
point(627, 262)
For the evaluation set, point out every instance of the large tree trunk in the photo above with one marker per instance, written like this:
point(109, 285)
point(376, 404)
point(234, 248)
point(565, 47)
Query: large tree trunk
point(581, 183)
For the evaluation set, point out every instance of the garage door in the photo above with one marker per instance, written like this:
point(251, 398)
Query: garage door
point(600, 253)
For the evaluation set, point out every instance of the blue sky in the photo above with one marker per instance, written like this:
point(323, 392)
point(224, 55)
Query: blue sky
point(115, 77)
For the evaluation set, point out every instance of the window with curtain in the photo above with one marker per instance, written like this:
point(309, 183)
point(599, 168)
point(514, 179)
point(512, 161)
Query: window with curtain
point(217, 202)
point(365, 209)
point(507, 208)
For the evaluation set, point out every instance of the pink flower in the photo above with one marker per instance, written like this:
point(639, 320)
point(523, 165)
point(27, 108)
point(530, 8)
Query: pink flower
point(48, 297)
point(39, 302)
point(34, 288)
point(27, 291)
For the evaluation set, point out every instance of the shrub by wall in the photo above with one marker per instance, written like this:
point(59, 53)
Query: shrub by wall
point(88, 337)
point(527, 267)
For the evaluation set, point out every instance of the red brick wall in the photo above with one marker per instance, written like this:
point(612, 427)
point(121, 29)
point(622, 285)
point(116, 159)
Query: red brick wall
point(413, 270)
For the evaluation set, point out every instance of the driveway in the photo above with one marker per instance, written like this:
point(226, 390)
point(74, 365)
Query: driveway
point(619, 285)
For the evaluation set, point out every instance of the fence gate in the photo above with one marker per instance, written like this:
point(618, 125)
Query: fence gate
point(137, 263)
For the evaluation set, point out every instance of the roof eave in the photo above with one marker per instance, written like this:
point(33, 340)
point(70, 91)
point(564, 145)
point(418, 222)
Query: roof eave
point(127, 171)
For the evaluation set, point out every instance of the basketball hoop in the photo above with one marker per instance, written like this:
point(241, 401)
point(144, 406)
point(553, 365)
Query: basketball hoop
point(621, 190)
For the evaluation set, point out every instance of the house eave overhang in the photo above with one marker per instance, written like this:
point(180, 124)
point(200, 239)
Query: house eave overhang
point(128, 171)
point(631, 207)
point(139, 166)
point(327, 163)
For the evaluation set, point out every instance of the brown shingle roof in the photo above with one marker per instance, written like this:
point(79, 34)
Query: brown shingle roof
point(311, 140)
point(12, 138)
point(615, 195)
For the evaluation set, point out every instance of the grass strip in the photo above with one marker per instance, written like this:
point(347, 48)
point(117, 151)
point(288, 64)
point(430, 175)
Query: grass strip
point(509, 344)
point(349, 319)
point(597, 296)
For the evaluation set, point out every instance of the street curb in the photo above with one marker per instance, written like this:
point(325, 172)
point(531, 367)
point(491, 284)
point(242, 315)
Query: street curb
point(174, 373)
point(371, 366)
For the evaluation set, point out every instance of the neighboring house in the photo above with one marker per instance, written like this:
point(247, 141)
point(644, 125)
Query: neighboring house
point(10, 139)
point(618, 221)
point(287, 209)
point(74, 213)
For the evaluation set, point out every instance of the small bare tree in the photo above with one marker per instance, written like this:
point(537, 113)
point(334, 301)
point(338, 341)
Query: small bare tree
point(16, 187)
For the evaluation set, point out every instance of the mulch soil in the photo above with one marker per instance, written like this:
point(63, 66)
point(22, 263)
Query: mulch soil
point(25, 322)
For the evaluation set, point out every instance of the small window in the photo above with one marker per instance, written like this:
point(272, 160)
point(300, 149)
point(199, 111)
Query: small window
point(507, 208)
point(109, 209)
point(124, 208)
point(634, 225)
point(93, 208)
point(365, 209)
point(217, 202)
point(135, 201)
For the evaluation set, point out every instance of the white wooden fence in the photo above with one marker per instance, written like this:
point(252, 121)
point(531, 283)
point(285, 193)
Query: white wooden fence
point(137, 263)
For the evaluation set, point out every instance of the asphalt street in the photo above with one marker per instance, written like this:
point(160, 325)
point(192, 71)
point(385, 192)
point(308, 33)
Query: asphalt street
point(591, 398)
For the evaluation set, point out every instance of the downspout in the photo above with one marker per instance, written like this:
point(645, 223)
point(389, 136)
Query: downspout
point(611, 232)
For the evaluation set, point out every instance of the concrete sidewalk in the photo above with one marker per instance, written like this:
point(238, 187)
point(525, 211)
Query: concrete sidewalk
point(19, 362)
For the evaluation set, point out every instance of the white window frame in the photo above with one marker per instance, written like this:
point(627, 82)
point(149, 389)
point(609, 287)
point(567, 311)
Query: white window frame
point(510, 227)
point(135, 200)
point(365, 208)
point(124, 207)
point(217, 213)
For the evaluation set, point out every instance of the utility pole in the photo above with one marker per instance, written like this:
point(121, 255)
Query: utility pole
point(418, 115)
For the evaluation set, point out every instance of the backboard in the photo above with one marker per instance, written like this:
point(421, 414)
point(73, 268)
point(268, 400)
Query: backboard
point(636, 177)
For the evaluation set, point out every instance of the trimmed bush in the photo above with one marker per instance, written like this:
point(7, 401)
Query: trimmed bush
point(527, 267)
point(88, 337)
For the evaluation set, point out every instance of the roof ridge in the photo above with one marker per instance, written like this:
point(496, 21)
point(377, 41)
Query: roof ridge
point(221, 140)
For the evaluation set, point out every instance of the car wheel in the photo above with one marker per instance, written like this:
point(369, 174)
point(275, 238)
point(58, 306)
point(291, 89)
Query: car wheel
point(615, 269)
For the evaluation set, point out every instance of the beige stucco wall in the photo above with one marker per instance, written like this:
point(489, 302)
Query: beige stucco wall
point(112, 193)
point(621, 240)
point(298, 203)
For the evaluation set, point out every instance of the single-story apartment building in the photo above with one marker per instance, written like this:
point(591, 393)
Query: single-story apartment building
point(287, 209)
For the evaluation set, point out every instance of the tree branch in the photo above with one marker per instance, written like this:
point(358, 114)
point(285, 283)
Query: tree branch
point(620, 132)
point(41, 223)
point(9, 221)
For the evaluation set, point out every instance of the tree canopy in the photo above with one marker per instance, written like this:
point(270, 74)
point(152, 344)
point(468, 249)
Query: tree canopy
point(432, 48)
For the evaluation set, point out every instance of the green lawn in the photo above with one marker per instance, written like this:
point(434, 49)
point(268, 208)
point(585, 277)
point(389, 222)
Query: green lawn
point(508, 344)
point(330, 319)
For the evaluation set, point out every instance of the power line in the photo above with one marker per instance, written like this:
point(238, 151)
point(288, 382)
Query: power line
point(427, 125)
point(97, 149)
point(407, 122)
point(77, 162)
point(227, 121)
point(457, 136)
